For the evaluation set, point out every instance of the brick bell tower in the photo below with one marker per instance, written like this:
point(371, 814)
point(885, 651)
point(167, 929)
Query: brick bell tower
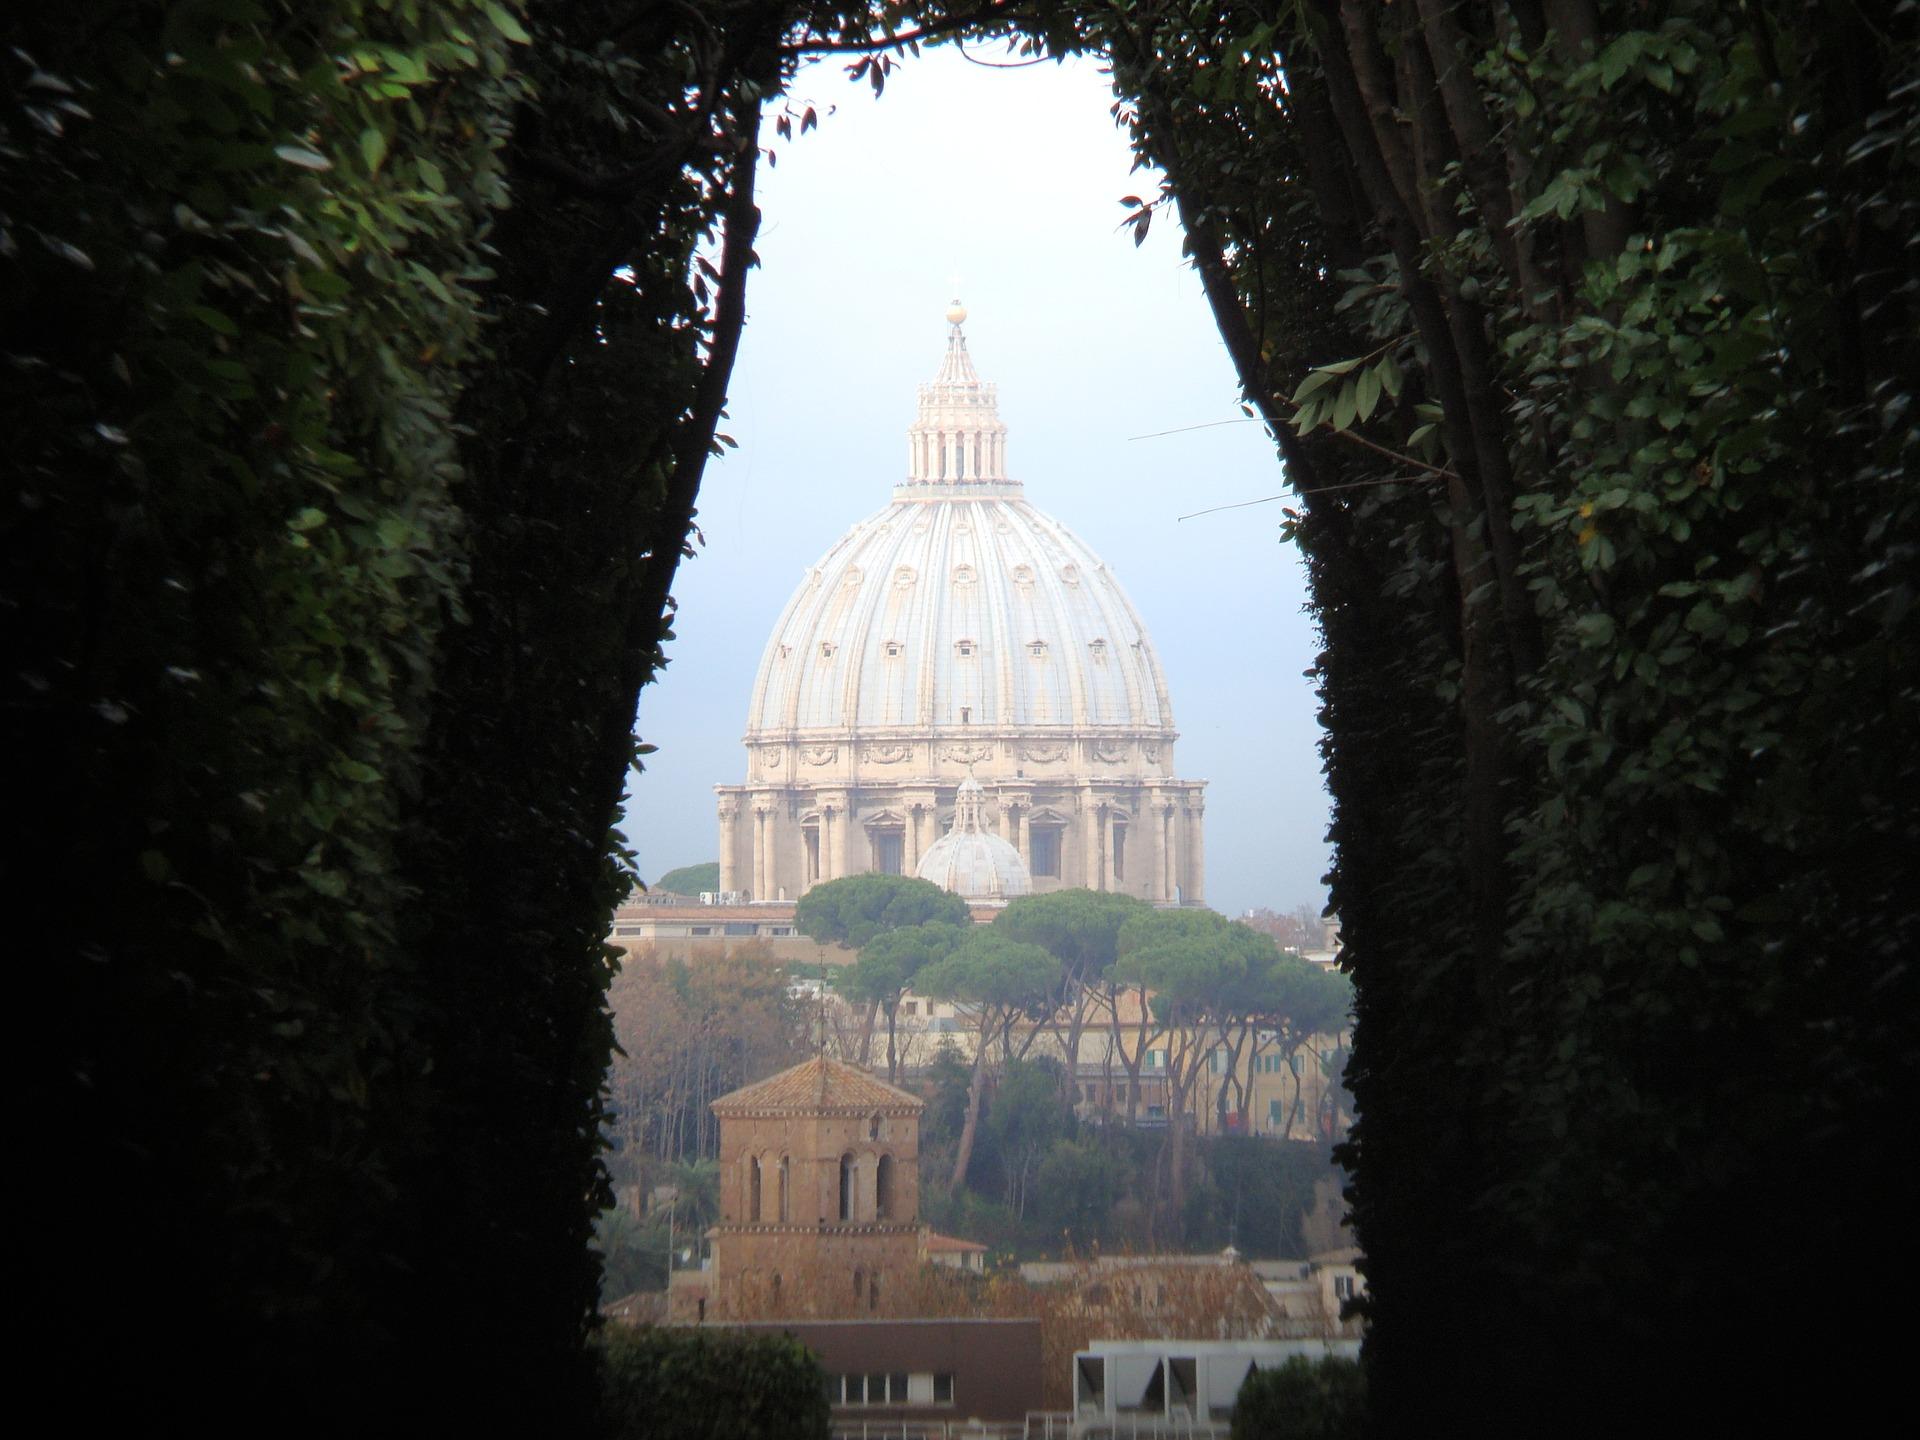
point(819, 1196)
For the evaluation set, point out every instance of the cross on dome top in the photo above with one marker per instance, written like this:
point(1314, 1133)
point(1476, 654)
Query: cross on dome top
point(957, 440)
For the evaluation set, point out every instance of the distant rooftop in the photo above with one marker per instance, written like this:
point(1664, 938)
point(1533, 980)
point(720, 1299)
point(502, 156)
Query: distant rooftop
point(819, 1086)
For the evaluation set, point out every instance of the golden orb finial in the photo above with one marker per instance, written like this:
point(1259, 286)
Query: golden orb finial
point(956, 312)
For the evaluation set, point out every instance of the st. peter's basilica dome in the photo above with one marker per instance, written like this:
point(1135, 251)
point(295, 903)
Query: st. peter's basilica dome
point(961, 629)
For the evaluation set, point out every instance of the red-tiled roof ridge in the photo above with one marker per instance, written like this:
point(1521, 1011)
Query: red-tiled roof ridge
point(818, 1086)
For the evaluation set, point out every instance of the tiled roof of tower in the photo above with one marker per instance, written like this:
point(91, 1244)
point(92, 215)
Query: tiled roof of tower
point(818, 1086)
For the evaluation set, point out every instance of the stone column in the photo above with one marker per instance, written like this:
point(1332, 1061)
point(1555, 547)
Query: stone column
point(911, 864)
point(1086, 830)
point(760, 825)
point(1106, 845)
point(1169, 858)
point(729, 840)
point(1197, 847)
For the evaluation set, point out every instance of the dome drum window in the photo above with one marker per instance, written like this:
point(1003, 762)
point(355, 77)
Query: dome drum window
point(826, 649)
point(894, 647)
point(963, 648)
point(1037, 649)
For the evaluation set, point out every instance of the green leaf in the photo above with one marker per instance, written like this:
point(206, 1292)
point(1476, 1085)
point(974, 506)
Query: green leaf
point(507, 24)
point(373, 147)
point(1344, 408)
point(1315, 380)
point(1367, 393)
point(303, 157)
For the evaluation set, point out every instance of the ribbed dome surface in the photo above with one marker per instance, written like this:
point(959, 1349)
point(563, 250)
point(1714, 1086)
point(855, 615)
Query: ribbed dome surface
point(953, 611)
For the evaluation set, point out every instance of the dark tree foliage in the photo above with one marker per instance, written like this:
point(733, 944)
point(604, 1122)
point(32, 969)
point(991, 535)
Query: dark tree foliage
point(615, 306)
point(1587, 332)
point(690, 879)
point(239, 246)
point(1303, 1400)
point(708, 1385)
point(853, 910)
point(344, 504)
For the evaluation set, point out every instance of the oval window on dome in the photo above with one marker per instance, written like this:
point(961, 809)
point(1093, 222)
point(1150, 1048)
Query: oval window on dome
point(1070, 574)
point(1023, 575)
point(904, 575)
point(963, 575)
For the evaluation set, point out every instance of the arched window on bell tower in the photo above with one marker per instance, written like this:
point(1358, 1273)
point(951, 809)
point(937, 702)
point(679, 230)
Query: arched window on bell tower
point(846, 1187)
point(883, 1185)
point(785, 1176)
point(753, 1189)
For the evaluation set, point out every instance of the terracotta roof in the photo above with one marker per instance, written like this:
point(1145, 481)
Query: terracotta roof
point(938, 1244)
point(818, 1086)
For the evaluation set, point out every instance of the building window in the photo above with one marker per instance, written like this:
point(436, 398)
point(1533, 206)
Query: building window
point(1119, 852)
point(1276, 1112)
point(1099, 649)
point(859, 1281)
point(943, 1389)
point(753, 1189)
point(785, 1173)
point(826, 649)
point(810, 842)
point(781, 930)
point(873, 1128)
point(963, 648)
point(700, 930)
point(1217, 1061)
point(893, 649)
point(1043, 843)
point(883, 1187)
point(889, 851)
point(1343, 1287)
point(1156, 1059)
point(1037, 648)
point(910, 1007)
point(846, 1200)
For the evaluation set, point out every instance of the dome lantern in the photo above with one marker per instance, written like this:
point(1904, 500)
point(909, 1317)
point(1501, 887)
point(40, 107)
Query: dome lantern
point(957, 438)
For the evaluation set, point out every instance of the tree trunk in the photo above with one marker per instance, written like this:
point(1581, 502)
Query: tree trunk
point(963, 1157)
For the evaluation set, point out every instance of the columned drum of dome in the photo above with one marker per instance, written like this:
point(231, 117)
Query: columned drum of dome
point(961, 631)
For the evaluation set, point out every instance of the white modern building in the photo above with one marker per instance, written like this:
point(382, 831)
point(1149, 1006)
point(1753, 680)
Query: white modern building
point(961, 632)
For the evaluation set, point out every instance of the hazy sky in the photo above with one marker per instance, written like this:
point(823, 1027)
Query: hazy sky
point(1000, 186)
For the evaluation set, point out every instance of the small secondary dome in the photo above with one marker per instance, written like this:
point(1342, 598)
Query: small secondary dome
point(971, 861)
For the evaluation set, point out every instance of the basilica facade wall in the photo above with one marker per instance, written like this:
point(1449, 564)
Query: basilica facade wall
point(1101, 828)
